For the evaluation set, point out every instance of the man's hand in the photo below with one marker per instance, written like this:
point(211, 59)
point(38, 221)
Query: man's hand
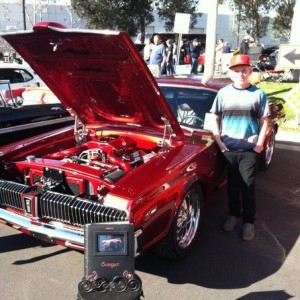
point(223, 147)
point(258, 148)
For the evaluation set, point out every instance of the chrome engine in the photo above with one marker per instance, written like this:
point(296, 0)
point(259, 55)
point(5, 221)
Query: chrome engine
point(70, 185)
point(89, 170)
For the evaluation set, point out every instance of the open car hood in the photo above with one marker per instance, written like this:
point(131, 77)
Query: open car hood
point(100, 75)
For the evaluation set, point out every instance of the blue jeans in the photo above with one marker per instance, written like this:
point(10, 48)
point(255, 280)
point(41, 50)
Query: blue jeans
point(170, 68)
point(194, 64)
point(241, 172)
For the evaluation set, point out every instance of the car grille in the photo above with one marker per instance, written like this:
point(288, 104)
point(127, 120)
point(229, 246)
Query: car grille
point(11, 194)
point(59, 207)
point(77, 211)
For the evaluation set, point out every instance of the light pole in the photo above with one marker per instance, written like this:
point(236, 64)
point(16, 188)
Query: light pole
point(295, 37)
point(210, 42)
point(24, 14)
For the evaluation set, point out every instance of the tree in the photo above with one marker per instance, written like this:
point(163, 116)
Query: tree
point(281, 24)
point(128, 15)
point(168, 8)
point(254, 15)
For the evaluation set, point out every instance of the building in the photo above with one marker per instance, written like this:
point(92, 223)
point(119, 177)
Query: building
point(227, 28)
point(60, 11)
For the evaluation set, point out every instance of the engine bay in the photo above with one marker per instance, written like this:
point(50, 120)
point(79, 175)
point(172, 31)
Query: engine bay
point(89, 170)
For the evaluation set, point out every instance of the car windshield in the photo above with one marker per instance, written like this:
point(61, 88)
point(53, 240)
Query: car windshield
point(15, 75)
point(4, 92)
point(189, 105)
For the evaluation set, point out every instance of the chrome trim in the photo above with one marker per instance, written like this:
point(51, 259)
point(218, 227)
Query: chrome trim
point(176, 84)
point(52, 231)
point(34, 125)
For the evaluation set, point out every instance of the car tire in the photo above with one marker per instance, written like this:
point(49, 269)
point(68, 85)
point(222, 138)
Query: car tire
point(185, 228)
point(266, 156)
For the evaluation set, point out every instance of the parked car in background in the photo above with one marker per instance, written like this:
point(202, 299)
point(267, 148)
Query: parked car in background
point(269, 58)
point(25, 113)
point(140, 153)
point(19, 75)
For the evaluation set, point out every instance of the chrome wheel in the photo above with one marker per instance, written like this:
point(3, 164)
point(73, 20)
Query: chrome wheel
point(185, 228)
point(266, 155)
point(270, 149)
point(188, 219)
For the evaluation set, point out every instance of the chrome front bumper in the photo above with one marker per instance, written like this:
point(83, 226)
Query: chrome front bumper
point(72, 238)
point(53, 231)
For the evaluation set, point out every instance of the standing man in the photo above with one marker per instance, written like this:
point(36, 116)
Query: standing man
point(183, 51)
point(226, 48)
point(147, 50)
point(219, 52)
point(158, 56)
point(169, 59)
point(241, 118)
point(244, 46)
point(220, 46)
point(194, 53)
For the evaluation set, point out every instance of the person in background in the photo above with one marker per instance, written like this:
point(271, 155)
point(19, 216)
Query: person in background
point(147, 50)
point(1, 56)
point(158, 56)
point(240, 116)
point(226, 48)
point(220, 46)
point(244, 46)
point(182, 52)
point(195, 50)
point(169, 59)
point(175, 53)
point(219, 52)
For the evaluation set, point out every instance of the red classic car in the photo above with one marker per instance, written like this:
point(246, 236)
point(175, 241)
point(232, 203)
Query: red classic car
point(132, 155)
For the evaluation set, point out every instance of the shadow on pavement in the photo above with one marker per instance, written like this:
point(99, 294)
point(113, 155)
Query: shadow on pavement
point(39, 258)
point(9, 243)
point(21, 241)
point(274, 295)
point(222, 260)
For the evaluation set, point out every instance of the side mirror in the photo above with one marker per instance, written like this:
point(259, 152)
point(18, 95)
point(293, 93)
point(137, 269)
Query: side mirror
point(18, 101)
point(9, 97)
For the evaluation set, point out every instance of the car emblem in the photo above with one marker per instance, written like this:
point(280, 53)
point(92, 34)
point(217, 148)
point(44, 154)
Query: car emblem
point(27, 205)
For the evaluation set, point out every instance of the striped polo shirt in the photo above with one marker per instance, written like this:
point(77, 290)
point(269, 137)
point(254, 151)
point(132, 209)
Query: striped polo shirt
point(240, 111)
